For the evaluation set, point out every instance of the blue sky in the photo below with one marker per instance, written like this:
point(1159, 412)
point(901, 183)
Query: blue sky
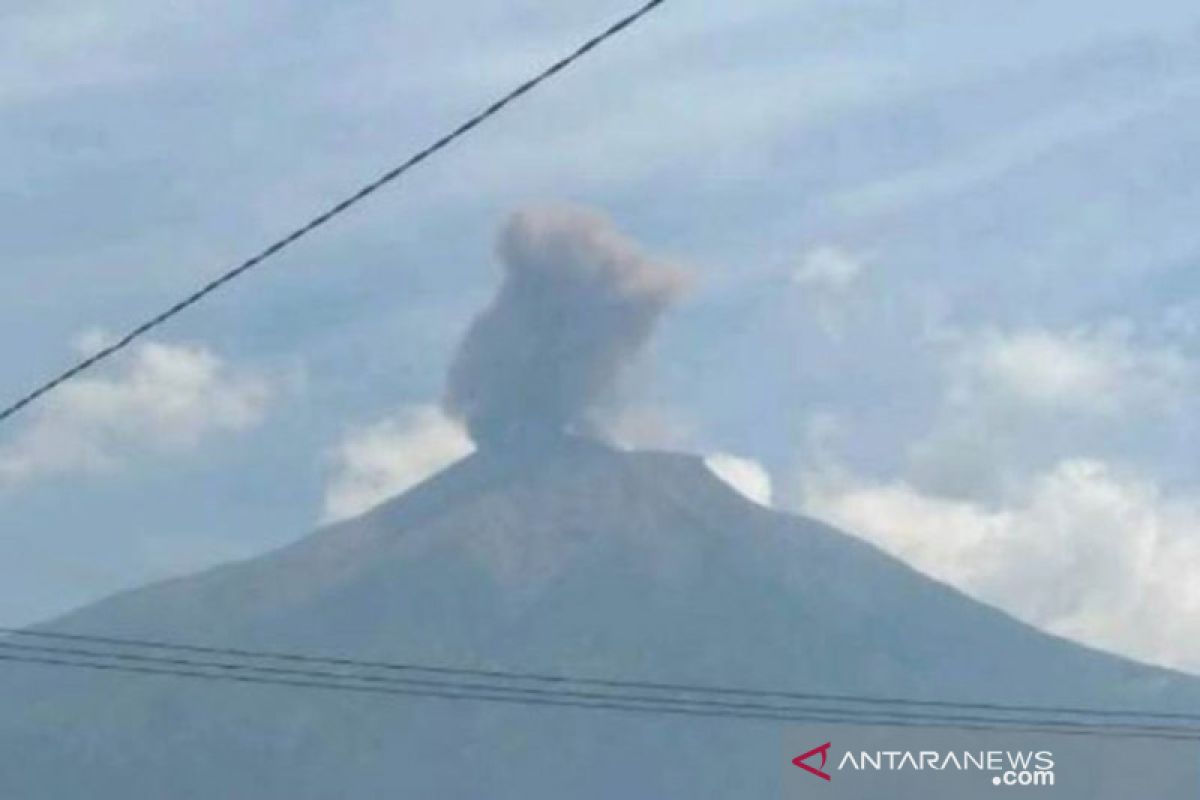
point(944, 255)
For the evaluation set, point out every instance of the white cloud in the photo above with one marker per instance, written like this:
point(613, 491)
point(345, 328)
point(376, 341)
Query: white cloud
point(826, 275)
point(1017, 402)
point(1085, 369)
point(748, 477)
point(1089, 551)
point(388, 457)
point(1024, 491)
point(829, 268)
point(163, 399)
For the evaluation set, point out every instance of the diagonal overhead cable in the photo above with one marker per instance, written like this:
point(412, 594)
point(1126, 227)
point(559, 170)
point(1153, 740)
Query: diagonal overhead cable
point(333, 211)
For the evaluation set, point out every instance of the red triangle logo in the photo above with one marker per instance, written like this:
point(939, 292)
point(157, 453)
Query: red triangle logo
point(818, 771)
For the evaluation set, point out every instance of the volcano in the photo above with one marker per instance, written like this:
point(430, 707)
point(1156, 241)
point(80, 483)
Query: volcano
point(568, 557)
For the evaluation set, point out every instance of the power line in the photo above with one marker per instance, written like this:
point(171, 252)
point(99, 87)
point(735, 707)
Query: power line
point(450, 691)
point(306, 658)
point(927, 710)
point(458, 684)
point(333, 211)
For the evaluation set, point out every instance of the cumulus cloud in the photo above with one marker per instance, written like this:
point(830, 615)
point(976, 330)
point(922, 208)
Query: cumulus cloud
point(747, 477)
point(826, 275)
point(828, 268)
point(1089, 370)
point(1089, 551)
point(577, 304)
point(1017, 401)
point(1017, 494)
point(164, 399)
point(391, 456)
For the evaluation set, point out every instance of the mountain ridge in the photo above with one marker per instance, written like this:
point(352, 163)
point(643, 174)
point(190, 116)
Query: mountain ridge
point(572, 559)
point(482, 474)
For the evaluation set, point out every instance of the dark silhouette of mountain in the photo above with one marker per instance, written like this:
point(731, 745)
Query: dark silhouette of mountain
point(567, 557)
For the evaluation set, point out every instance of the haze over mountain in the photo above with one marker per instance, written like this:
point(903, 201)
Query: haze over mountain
point(879, 200)
point(543, 551)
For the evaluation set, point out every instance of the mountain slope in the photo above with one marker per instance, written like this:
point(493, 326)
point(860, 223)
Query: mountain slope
point(569, 559)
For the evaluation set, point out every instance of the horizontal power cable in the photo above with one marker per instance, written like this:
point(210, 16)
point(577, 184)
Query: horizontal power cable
point(333, 211)
point(478, 696)
point(608, 683)
point(458, 684)
point(359, 681)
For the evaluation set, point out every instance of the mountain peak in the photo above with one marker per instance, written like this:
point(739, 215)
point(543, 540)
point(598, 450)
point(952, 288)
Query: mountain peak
point(569, 557)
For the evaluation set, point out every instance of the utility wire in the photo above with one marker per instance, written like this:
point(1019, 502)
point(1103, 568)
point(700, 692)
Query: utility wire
point(614, 703)
point(655, 700)
point(333, 211)
point(536, 677)
point(926, 710)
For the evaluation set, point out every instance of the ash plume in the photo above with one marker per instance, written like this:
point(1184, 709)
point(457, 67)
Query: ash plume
point(577, 303)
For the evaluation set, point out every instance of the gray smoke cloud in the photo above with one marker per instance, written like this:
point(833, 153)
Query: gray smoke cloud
point(577, 303)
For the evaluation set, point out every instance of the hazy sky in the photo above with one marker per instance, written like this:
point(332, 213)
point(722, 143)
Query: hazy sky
point(944, 258)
